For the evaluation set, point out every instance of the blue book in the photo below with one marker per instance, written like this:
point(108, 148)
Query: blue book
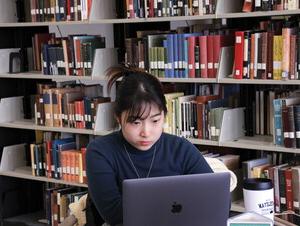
point(170, 55)
point(278, 134)
point(165, 43)
point(56, 147)
point(185, 59)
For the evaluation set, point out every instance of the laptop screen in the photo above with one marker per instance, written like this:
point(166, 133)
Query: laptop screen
point(193, 200)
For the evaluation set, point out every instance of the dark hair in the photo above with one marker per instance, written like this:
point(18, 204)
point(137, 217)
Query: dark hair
point(136, 91)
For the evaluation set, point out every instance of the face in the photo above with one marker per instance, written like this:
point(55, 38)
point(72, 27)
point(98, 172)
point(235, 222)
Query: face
point(143, 133)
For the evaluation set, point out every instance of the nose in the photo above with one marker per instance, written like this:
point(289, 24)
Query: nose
point(145, 130)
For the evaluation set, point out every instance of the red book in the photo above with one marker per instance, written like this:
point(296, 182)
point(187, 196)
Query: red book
point(203, 56)
point(210, 56)
point(238, 55)
point(289, 189)
point(191, 56)
point(247, 6)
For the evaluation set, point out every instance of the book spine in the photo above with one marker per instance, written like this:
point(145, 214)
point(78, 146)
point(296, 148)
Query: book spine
point(238, 55)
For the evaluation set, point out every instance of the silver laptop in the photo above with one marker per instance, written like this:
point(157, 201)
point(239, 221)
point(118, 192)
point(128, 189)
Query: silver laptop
point(186, 200)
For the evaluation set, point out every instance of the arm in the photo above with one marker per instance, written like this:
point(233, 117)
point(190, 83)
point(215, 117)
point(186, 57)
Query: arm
point(102, 183)
point(193, 161)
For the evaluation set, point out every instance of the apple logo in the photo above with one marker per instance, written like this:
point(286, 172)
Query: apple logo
point(176, 208)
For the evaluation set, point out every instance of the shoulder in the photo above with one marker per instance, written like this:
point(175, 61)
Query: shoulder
point(104, 144)
point(176, 142)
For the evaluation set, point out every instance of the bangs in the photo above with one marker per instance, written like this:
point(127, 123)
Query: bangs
point(140, 111)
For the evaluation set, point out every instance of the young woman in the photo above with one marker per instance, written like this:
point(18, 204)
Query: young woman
point(140, 149)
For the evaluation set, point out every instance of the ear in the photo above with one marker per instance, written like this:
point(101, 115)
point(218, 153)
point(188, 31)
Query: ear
point(118, 119)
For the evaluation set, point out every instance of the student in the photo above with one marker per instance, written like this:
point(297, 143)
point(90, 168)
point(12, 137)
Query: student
point(140, 149)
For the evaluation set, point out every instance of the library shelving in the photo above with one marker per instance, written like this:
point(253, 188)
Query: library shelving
point(102, 13)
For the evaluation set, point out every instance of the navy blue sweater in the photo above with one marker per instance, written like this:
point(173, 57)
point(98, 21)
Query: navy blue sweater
point(108, 165)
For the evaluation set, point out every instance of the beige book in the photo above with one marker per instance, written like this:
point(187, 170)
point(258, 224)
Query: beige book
point(257, 171)
point(286, 37)
point(277, 57)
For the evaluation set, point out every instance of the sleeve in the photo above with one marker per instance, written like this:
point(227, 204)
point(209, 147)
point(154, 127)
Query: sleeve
point(194, 162)
point(103, 186)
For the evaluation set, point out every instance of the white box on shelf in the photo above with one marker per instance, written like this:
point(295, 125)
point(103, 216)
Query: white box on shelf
point(13, 157)
point(104, 58)
point(11, 109)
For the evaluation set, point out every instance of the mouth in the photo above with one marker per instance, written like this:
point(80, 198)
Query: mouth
point(144, 143)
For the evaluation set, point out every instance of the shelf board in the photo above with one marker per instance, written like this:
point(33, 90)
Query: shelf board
point(264, 143)
point(26, 173)
point(258, 81)
point(203, 142)
point(189, 80)
point(259, 14)
point(38, 75)
point(157, 19)
point(237, 206)
point(38, 24)
point(110, 21)
point(29, 124)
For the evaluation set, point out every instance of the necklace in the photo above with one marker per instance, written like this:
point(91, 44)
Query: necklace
point(133, 166)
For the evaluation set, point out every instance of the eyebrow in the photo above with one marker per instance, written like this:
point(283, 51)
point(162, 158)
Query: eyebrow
point(152, 116)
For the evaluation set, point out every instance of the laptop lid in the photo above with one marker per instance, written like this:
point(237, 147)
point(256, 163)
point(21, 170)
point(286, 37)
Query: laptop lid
point(193, 200)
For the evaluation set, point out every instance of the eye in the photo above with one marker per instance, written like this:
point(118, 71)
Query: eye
point(156, 120)
point(136, 122)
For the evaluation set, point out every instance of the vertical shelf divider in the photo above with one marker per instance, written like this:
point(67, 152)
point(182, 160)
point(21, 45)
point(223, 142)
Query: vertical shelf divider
point(13, 157)
point(11, 109)
point(104, 58)
point(103, 9)
point(233, 125)
point(226, 63)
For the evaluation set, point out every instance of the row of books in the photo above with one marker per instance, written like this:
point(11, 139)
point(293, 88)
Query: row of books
point(163, 8)
point(60, 10)
point(285, 177)
point(273, 112)
point(269, 5)
point(73, 55)
point(194, 116)
point(57, 201)
point(73, 107)
point(266, 55)
point(287, 121)
point(59, 159)
point(187, 55)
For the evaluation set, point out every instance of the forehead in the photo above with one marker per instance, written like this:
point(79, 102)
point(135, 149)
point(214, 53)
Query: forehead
point(146, 110)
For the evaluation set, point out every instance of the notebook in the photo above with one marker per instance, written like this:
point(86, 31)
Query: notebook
point(193, 200)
